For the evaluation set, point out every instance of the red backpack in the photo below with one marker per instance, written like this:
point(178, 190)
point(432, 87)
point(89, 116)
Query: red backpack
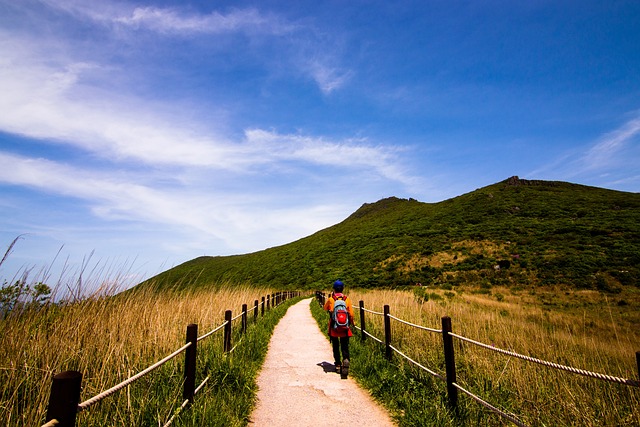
point(340, 314)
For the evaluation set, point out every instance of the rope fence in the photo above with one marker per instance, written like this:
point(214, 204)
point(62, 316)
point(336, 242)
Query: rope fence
point(238, 316)
point(435, 374)
point(490, 407)
point(424, 328)
point(212, 332)
point(371, 336)
point(63, 404)
point(84, 405)
point(377, 313)
point(450, 366)
point(583, 372)
point(185, 404)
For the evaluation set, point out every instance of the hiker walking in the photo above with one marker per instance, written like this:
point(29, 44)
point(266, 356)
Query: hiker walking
point(340, 320)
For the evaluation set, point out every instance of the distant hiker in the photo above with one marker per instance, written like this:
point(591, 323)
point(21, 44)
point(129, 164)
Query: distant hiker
point(340, 321)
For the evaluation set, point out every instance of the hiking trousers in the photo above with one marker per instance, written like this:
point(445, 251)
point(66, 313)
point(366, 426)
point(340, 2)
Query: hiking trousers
point(338, 344)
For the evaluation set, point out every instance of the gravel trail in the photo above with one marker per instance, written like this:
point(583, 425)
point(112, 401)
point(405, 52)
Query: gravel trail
point(298, 385)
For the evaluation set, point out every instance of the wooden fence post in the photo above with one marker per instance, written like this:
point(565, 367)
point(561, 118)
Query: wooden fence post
point(255, 311)
point(638, 363)
point(387, 333)
point(449, 361)
point(64, 398)
point(262, 310)
point(362, 325)
point(268, 298)
point(190, 363)
point(227, 331)
point(244, 319)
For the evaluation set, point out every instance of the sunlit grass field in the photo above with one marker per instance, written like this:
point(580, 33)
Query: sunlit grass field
point(582, 329)
point(110, 338)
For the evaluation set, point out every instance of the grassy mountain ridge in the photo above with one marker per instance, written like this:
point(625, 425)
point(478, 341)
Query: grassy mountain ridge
point(538, 232)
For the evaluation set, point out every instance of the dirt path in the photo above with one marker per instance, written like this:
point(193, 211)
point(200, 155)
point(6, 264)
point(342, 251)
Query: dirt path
point(298, 386)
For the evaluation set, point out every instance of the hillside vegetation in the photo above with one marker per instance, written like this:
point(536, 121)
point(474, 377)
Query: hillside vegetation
point(514, 233)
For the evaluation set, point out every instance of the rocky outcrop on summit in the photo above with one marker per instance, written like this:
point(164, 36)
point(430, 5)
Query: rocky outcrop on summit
point(515, 181)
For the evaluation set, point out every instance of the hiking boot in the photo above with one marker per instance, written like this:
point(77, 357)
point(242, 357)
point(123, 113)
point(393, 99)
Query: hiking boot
point(338, 368)
point(344, 372)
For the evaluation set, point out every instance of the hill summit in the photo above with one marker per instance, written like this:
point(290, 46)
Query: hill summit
point(515, 232)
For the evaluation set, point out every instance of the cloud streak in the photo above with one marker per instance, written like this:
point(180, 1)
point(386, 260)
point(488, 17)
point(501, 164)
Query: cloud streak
point(614, 150)
point(604, 154)
point(131, 197)
point(174, 21)
point(312, 55)
point(52, 102)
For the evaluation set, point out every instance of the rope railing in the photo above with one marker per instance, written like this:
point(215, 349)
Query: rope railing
point(424, 328)
point(84, 405)
point(212, 331)
point(377, 313)
point(184, 404)
point(571, 369)
point(238, 316)
point(372, 337)
point(490, 407)
point(176, 413)
point(435, 374)
point(62, 410)
point(201, 385)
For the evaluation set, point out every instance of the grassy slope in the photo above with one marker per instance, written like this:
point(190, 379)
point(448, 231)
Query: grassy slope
point(550, 232)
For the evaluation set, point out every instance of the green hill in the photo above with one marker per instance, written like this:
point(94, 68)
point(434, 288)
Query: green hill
point(516, 232)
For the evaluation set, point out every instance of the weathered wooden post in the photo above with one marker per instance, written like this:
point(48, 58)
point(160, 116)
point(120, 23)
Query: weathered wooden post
point(449, 361)
point(268, 302)
point(255, 311)
point(387, 333)
point(227, 331)
point(189, 386)
point(262, 310)
point(244, 319)
point(64, 398)
point(362, 325)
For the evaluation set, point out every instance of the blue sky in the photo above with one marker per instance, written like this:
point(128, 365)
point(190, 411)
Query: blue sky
point(137, 135)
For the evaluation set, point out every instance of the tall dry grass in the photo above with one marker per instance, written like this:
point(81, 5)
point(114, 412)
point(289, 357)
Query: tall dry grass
point(582, 330)
point(108, 339)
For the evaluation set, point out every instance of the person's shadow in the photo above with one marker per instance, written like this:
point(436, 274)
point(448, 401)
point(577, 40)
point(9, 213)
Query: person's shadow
point(327, 367)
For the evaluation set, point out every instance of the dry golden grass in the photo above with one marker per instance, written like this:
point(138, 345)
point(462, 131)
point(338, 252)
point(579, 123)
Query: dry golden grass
point(458, 253)
point(106, 338)
point(585, 330)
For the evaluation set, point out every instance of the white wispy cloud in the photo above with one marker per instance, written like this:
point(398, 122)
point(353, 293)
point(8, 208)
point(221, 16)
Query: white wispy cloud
point(606, 151)
point(599, 161)
point(311, 54)
point(147, 162)
point(328, 78)
point(53, 102)
point(174, 20)
point(234, 219)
